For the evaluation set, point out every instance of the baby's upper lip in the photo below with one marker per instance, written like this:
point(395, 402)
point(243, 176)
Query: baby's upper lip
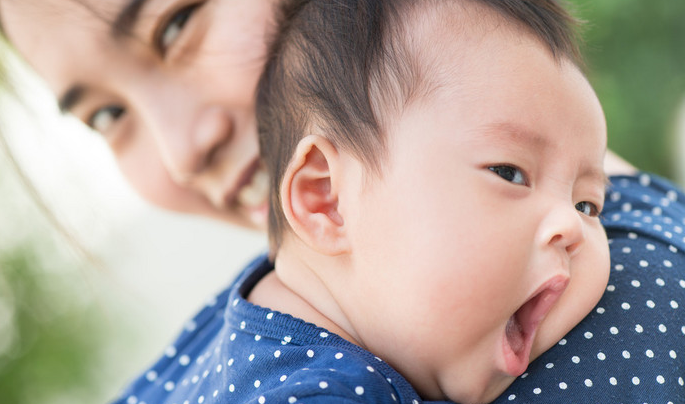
point(523, 324)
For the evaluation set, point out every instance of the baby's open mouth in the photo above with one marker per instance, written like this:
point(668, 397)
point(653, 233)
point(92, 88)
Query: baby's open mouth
point(523, 325)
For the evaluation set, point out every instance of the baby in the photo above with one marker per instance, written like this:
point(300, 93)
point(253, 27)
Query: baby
point(437, 181)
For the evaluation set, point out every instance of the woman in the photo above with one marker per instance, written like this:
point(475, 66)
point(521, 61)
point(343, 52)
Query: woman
point(170, 83)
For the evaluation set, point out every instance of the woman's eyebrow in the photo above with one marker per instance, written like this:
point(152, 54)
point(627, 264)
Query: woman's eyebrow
point(127, 18)
point(70, 98)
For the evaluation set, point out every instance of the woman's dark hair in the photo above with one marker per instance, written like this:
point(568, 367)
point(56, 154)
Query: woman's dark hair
point(344, 66)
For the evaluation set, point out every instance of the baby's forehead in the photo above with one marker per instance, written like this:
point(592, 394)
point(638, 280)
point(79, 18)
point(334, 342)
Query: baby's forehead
point(458, 22)
point(454, 44)
point(470, 52)
point(450, 31)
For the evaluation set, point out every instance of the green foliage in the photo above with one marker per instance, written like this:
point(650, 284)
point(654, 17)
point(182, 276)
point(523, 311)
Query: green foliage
point(636, 56)
point(49, 333)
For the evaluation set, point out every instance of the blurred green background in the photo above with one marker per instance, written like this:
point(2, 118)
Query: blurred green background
point(636, 60)
point(51, 326)
point(49, 334)
point(51, 338)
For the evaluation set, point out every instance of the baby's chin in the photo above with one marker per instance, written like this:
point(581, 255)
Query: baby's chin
point(496, 391)
point(488, 393)
point(477, 383)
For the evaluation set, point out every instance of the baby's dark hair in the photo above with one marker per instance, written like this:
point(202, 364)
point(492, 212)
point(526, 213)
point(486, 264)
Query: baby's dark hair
point(345, 68)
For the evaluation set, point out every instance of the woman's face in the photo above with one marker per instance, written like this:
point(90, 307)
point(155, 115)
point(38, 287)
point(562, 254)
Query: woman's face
point(168, 83)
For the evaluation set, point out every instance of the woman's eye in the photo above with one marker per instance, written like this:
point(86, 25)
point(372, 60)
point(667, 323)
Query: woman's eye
point(510, 174)
point(171, 28)
point(103, 119)
point(587, 208)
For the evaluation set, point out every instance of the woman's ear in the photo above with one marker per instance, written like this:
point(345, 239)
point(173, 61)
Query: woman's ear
point(309, 194)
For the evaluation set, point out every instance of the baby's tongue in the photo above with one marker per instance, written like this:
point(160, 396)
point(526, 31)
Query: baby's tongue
point(514, 335)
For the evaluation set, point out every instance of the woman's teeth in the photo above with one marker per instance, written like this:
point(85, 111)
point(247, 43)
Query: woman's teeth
point(255, 193)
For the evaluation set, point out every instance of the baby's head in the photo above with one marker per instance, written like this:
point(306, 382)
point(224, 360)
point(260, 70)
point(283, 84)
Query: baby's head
point(437, 180)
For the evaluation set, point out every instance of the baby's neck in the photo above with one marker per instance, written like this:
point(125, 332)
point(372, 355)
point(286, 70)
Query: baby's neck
point(295, 288)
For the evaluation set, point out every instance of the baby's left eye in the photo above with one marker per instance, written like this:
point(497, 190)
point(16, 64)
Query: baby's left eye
point(510, 173)
point(587, 208)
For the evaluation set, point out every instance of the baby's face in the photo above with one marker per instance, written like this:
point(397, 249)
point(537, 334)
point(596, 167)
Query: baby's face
point(481, 237)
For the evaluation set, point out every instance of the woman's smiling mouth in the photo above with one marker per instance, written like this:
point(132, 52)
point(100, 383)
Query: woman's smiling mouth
point(252, 194)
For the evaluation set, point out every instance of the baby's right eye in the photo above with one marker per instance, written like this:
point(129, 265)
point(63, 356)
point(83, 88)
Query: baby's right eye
point(103, 119)
point(510, 173)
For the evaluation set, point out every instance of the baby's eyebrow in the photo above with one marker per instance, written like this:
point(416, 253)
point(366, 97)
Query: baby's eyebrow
point(515, 133)
point(598, 175)
point(127, 18)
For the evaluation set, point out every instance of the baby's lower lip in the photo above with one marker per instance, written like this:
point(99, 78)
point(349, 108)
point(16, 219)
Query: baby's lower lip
point(516, 347)
point(521, 327)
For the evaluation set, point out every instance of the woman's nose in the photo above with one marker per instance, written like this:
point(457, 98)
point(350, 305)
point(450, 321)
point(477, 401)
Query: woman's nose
point(563, 228)
point(192, 149)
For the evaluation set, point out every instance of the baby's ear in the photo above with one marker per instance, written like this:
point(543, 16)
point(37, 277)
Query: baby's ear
point(309, 194)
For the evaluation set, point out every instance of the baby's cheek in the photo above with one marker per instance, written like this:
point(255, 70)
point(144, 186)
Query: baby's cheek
point(597, 274)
